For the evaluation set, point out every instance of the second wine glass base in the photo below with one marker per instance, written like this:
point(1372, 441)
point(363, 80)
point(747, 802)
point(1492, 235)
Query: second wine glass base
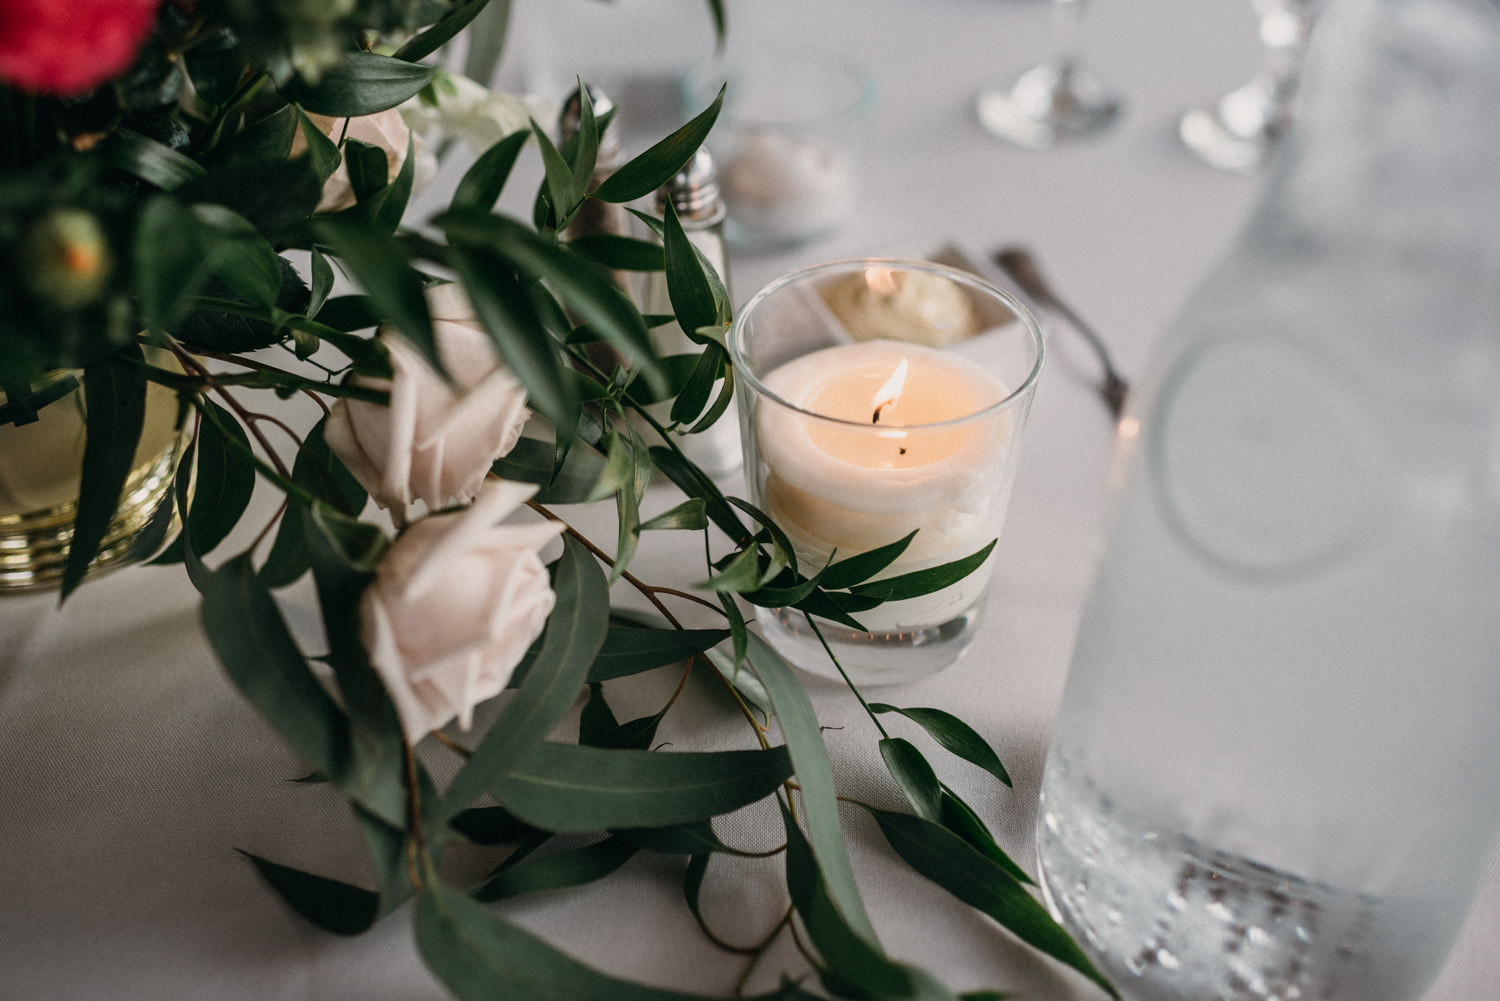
point(1240, 131)
point(1048, 105)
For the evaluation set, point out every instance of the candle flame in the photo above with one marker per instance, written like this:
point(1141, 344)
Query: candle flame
point(882, 281)
point(888, 393)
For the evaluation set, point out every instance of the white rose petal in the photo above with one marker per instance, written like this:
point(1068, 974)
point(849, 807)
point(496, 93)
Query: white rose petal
point(454, 605)
point(437, 438)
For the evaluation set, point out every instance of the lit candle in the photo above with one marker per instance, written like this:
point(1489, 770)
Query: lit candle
point(883, 437)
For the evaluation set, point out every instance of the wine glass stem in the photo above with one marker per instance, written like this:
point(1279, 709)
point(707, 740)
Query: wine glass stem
point(1067, 18)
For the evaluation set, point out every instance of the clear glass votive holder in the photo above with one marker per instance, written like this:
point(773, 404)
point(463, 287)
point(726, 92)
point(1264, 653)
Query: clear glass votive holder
point(785, 141)
point(878, 398)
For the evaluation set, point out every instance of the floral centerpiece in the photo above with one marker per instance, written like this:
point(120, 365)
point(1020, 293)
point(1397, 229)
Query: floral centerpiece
point(184, 184)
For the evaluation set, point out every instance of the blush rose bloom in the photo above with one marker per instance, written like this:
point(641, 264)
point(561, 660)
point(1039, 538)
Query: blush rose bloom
point(385, 130)
point(55, 47)
point(454, 605)
point(436, 439)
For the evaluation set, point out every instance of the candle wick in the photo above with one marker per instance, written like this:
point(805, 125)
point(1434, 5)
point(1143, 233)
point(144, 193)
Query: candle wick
point(875, 418)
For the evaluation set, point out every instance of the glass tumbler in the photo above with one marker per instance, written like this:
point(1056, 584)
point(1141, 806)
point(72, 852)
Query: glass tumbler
point(881, 399)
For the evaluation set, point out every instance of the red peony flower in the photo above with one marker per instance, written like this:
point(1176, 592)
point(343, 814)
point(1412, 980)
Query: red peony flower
point(70, 46)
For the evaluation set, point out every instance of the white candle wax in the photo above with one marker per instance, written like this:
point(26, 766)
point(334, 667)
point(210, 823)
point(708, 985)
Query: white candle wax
point(886, 464)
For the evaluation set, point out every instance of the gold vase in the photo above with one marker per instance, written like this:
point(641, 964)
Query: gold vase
point(41, 466)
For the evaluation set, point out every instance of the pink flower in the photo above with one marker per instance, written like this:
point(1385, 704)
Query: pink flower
point(436, 439)
point(454, 605)
point(70, 46)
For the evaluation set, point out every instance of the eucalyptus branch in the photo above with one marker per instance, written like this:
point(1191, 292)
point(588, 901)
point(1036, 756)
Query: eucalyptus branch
point(417, 841)
point(845, 675)
point(761, 950)
point(641, 586)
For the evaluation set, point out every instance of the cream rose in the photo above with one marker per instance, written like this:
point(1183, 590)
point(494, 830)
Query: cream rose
point(453, 607)
point(437, 438)
point(386, 130)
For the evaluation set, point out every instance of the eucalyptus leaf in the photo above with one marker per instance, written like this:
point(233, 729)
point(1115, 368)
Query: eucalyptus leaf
point(953, 734)
point(598, 727)
point(632, 651)
point(853, 964)
point(693, 838)
point(575, 632)
point(558, 176)
point(556, 872)
point(243, 259)
point(564, 787)
point(491, 825)
point(956, 866)
point(482, 957)
point(693, 398)
point(253, 643)
point(328, 903)
point(914, 775)
point(114, 392)
point(804, 741)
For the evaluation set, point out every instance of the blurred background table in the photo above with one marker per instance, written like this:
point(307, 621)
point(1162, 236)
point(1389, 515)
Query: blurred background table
point(130, 771)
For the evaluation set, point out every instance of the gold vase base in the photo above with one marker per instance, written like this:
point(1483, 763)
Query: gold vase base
point(34, 544)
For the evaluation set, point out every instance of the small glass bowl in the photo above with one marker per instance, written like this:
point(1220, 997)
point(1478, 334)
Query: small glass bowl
point(784, 141)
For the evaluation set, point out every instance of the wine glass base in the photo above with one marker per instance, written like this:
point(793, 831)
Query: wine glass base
point(1048, 105)
point(1240, 131)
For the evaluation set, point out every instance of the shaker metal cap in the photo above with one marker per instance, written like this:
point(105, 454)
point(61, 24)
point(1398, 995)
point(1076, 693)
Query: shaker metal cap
point(694, 191)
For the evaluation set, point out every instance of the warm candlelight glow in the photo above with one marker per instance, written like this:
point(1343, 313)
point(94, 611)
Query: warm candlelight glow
point(882, 281)
point(887, 394)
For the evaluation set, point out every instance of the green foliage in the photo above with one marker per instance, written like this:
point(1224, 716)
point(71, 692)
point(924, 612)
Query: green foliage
point(183, 222)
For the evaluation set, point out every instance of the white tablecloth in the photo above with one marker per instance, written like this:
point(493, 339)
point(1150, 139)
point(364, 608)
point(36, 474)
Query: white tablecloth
point(130, 771)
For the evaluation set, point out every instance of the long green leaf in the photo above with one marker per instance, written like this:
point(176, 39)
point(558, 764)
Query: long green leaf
point(482, 957)
point(960, 818)
point(361, 85)
point(224, 481)
point(632, 651)
point(914, 775)
point(565, 787)
point(574, 634)
point(114, 393)
point(394, 288)
point(804, 741)
point(920, 582)
point(534, 461)
point(956, 866)
point(651, 169)
point(502, 305)
point(173, 256)
point(480, 187)
point(556, 872)
point(331, 905)
point(858, 569)
point(256, 648)
point(440, 33)
point(953, 734)
point(692, 296)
